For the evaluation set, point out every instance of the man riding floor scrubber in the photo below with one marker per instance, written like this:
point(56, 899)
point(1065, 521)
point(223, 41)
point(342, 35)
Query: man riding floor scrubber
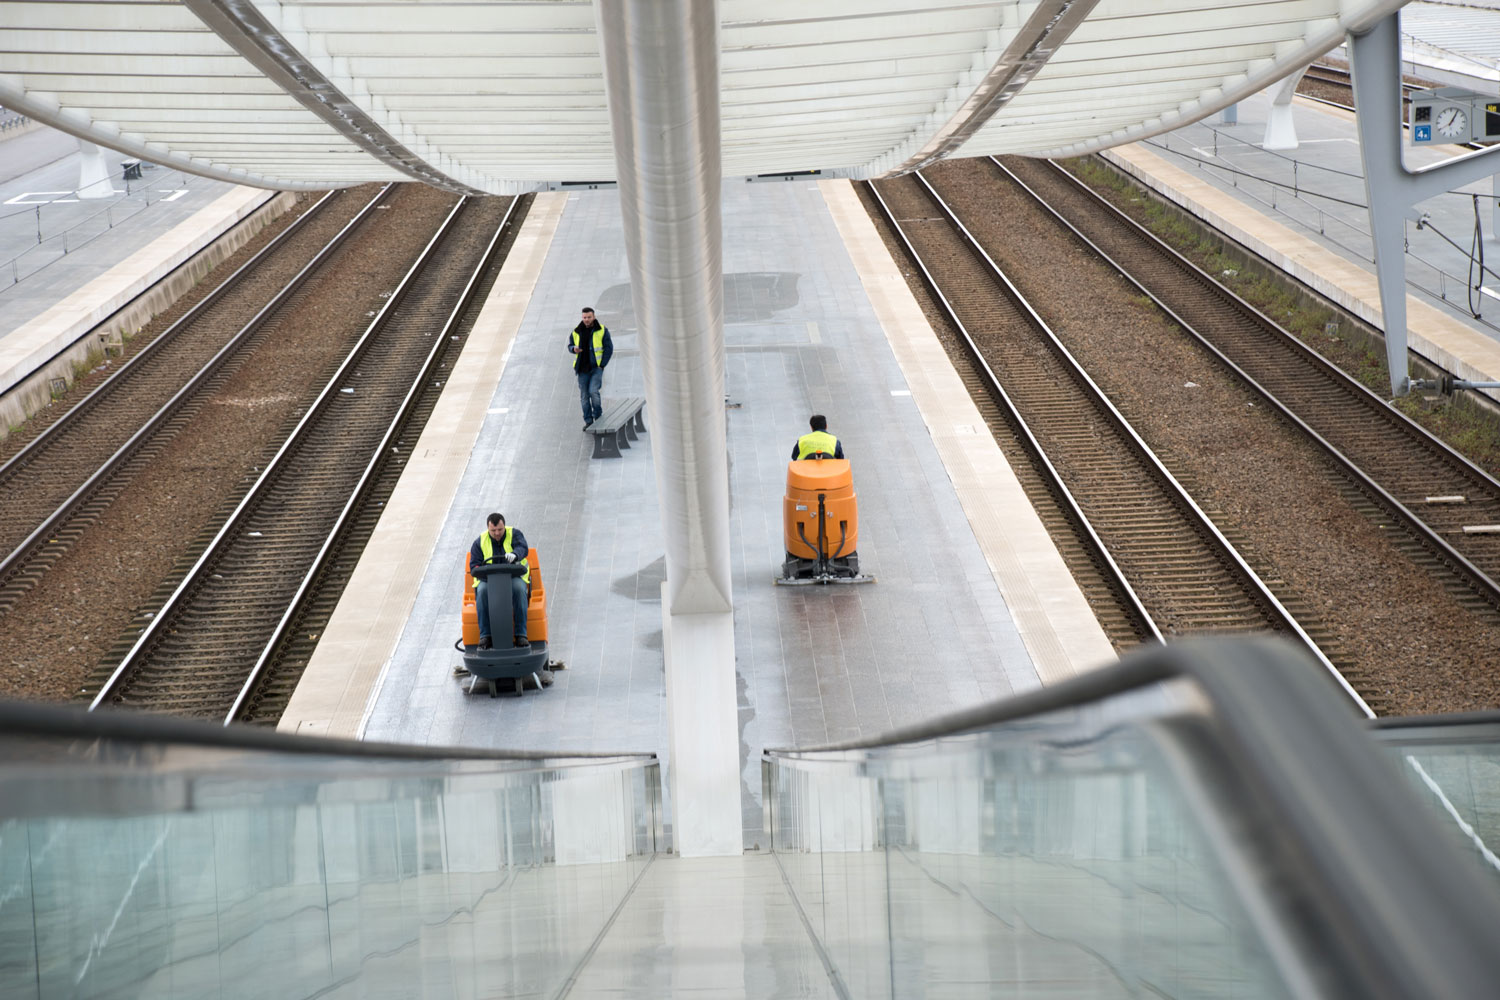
point(820, 517)
point(504, 662)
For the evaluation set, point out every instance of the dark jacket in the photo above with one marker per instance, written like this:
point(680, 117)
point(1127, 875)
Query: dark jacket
point(584, 360)
point(517, 544)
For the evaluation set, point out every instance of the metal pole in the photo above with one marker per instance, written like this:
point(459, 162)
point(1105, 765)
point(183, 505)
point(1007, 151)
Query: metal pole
point(1375, 64)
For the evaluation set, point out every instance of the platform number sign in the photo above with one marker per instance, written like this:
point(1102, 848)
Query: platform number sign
point(1421, 123)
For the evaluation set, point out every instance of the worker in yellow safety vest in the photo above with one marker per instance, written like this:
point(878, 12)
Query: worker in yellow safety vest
point(501, 544)
point(817, 443)
point(591, 348)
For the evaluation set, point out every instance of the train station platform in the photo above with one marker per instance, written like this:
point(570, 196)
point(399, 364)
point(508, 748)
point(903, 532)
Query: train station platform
point(972, 601)
point(1303, 211)
point(70, 263)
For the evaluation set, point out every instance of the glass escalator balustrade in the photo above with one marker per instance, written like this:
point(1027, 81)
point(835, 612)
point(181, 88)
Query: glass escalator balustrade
point(1013, 864)
point(1454, 767)
point(192, 872)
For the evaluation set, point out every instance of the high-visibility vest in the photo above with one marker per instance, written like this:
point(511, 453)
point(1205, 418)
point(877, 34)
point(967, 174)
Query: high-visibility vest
point(811, 444)
point(598, 348)
point(487, 549)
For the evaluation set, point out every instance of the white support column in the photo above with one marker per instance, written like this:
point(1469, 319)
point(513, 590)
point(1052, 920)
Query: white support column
point(93, 172)
point(1281, 128)
point(1391, 189)
point(1376, 75)
point(703, 742)
point(661, 72)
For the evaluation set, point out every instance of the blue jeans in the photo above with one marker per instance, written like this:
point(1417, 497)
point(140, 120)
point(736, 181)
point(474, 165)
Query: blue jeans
point(517, 607)
point(589, 384)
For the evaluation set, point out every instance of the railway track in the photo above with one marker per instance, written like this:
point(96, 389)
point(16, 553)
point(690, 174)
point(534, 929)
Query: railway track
point(1152, 561)
point(286, 654)
point(221, 623)
point(1335, 87)
point(1406, 476)
point(56, 487)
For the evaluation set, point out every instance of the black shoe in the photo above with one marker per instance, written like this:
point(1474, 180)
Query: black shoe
point(587, 425)
point(522, 644)
point(484, 642)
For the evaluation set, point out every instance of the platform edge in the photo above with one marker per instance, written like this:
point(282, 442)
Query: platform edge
point(1050, 612)
point(343, 678)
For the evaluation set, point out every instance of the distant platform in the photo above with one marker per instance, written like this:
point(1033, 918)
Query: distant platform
point(1321, 242)
point(95, 255)
point(972, 602)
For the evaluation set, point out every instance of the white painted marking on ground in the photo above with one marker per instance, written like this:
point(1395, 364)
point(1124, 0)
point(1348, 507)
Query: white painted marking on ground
point(812, 332)
point(174, 195)
point(900, 392)
point(28, 198)
point(499, 409)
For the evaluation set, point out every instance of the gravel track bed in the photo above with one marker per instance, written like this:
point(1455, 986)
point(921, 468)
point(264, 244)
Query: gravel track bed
point(142, 338)
point(60, 629)
point(33, 487)
point(230, 610)
point(311, 618)
point(1325, 91)
point(1418, 648)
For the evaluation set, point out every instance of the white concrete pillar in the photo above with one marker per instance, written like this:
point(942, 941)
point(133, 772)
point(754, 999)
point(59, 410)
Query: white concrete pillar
point(661, 75)
point(93, 172)
point(1281, 128)
point(703, 741)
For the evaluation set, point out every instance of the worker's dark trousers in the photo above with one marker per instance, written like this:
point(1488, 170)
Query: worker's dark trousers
point(517, 607)
point(589, 385)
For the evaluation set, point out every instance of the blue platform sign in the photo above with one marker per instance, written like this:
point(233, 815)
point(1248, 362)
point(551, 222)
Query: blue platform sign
point(1421, 133)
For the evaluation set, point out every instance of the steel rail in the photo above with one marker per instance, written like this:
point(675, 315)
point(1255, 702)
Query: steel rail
point(110, 688)
point(1028, 439)
point(1204, 521)
point(12, 561)
point(357, 495)
point(95, 395)
point(1174, 488)
point(1470, 573)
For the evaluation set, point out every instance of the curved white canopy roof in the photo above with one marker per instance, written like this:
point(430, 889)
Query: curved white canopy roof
point(500, 96)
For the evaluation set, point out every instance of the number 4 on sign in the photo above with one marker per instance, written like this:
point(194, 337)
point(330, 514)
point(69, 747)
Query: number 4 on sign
point(172, 195)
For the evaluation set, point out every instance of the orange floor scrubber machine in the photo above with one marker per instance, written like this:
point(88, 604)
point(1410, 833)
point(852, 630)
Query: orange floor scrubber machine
point(820, 520)
point(505, 665)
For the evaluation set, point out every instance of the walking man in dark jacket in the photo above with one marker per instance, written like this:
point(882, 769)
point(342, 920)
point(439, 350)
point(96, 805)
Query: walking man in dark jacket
point(591, 349)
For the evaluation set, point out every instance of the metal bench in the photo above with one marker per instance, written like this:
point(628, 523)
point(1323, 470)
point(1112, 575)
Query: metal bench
point(621, 423)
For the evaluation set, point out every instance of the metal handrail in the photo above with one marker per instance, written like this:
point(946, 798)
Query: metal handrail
point(107, 210)
point(33, 719)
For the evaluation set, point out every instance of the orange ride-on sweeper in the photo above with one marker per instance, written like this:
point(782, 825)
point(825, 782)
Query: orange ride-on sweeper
point(820, 520)
point(505, 665)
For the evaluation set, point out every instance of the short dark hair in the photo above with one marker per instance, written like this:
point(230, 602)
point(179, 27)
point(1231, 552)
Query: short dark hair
point(495, 519)
point(818, 422)
point(587, 309)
